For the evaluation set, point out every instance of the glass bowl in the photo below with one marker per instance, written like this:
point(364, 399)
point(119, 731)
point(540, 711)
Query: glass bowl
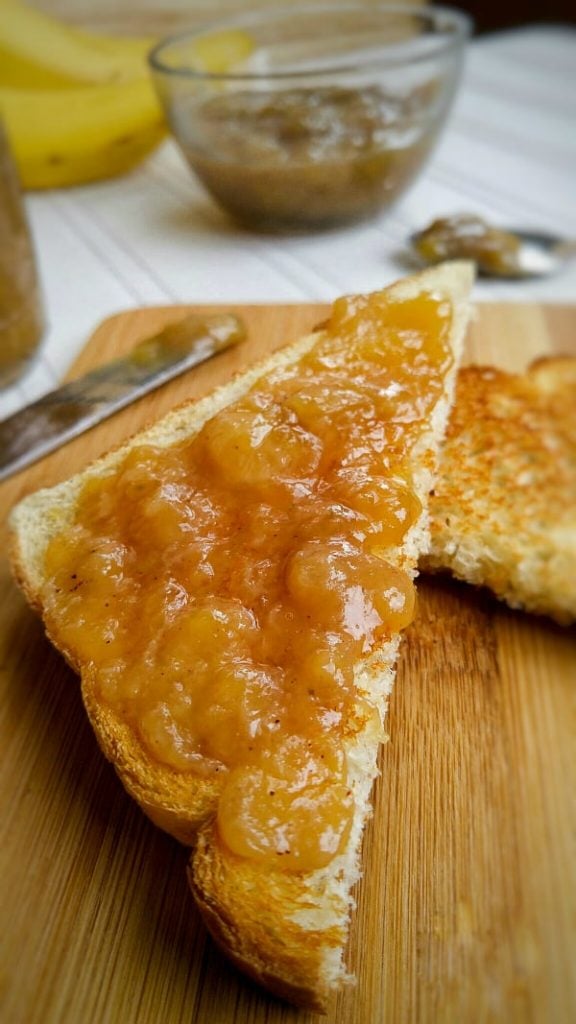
point(311, 116)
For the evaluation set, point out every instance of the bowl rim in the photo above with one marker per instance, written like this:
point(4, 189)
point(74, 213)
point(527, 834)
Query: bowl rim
point(434, 15)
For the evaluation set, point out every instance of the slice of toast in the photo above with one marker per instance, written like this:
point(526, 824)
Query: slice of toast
point(286, 926)
point(503, 511)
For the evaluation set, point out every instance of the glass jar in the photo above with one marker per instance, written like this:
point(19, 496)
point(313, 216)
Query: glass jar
point(21, 315)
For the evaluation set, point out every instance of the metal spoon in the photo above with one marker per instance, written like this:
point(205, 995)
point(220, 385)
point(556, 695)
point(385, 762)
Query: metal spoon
point(539, 254)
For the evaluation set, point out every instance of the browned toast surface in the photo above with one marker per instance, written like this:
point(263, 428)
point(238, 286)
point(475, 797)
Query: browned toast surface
point(503, 511)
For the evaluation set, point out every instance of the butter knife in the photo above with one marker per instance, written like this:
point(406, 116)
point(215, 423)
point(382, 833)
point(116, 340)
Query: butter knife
point(57, 417)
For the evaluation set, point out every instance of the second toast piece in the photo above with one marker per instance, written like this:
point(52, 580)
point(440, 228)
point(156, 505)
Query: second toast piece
point(503, 511)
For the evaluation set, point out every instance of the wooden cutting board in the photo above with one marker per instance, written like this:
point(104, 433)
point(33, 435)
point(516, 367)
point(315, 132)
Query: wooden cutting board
point(466, 911)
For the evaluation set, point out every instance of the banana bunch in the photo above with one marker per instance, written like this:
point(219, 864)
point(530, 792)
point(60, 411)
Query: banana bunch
point(38, 51)
point(77, 107)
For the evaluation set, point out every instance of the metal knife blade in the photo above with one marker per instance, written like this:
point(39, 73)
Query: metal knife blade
point(57, 417)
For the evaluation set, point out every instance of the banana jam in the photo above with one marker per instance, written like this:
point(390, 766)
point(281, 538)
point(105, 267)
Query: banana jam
point(222, 590)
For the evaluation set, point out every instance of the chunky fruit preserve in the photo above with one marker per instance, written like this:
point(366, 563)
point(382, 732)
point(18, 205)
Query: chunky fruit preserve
point(223, 590)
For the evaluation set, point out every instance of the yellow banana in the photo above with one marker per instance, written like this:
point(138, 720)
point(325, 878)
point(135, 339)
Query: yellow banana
point(63, 137)
point(37, 50)
point(40, 51)
point(78, 106)
point(216, 52)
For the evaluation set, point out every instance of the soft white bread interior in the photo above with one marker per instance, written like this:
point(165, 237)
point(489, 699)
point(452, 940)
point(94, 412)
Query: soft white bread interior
point(288, 930)
point(503, 511)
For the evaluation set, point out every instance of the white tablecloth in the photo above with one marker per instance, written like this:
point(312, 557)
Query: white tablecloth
point(154, 237)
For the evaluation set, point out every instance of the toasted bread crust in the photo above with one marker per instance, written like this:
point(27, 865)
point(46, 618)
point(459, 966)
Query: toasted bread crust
point(264, 943)
point(288, 933)
point(503, 512)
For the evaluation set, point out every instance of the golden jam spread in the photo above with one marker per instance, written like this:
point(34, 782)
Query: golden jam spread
point(466, 236)
point(221, 590)
point(300, 157)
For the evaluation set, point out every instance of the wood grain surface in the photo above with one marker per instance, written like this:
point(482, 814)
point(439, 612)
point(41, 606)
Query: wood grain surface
point(467, 906)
